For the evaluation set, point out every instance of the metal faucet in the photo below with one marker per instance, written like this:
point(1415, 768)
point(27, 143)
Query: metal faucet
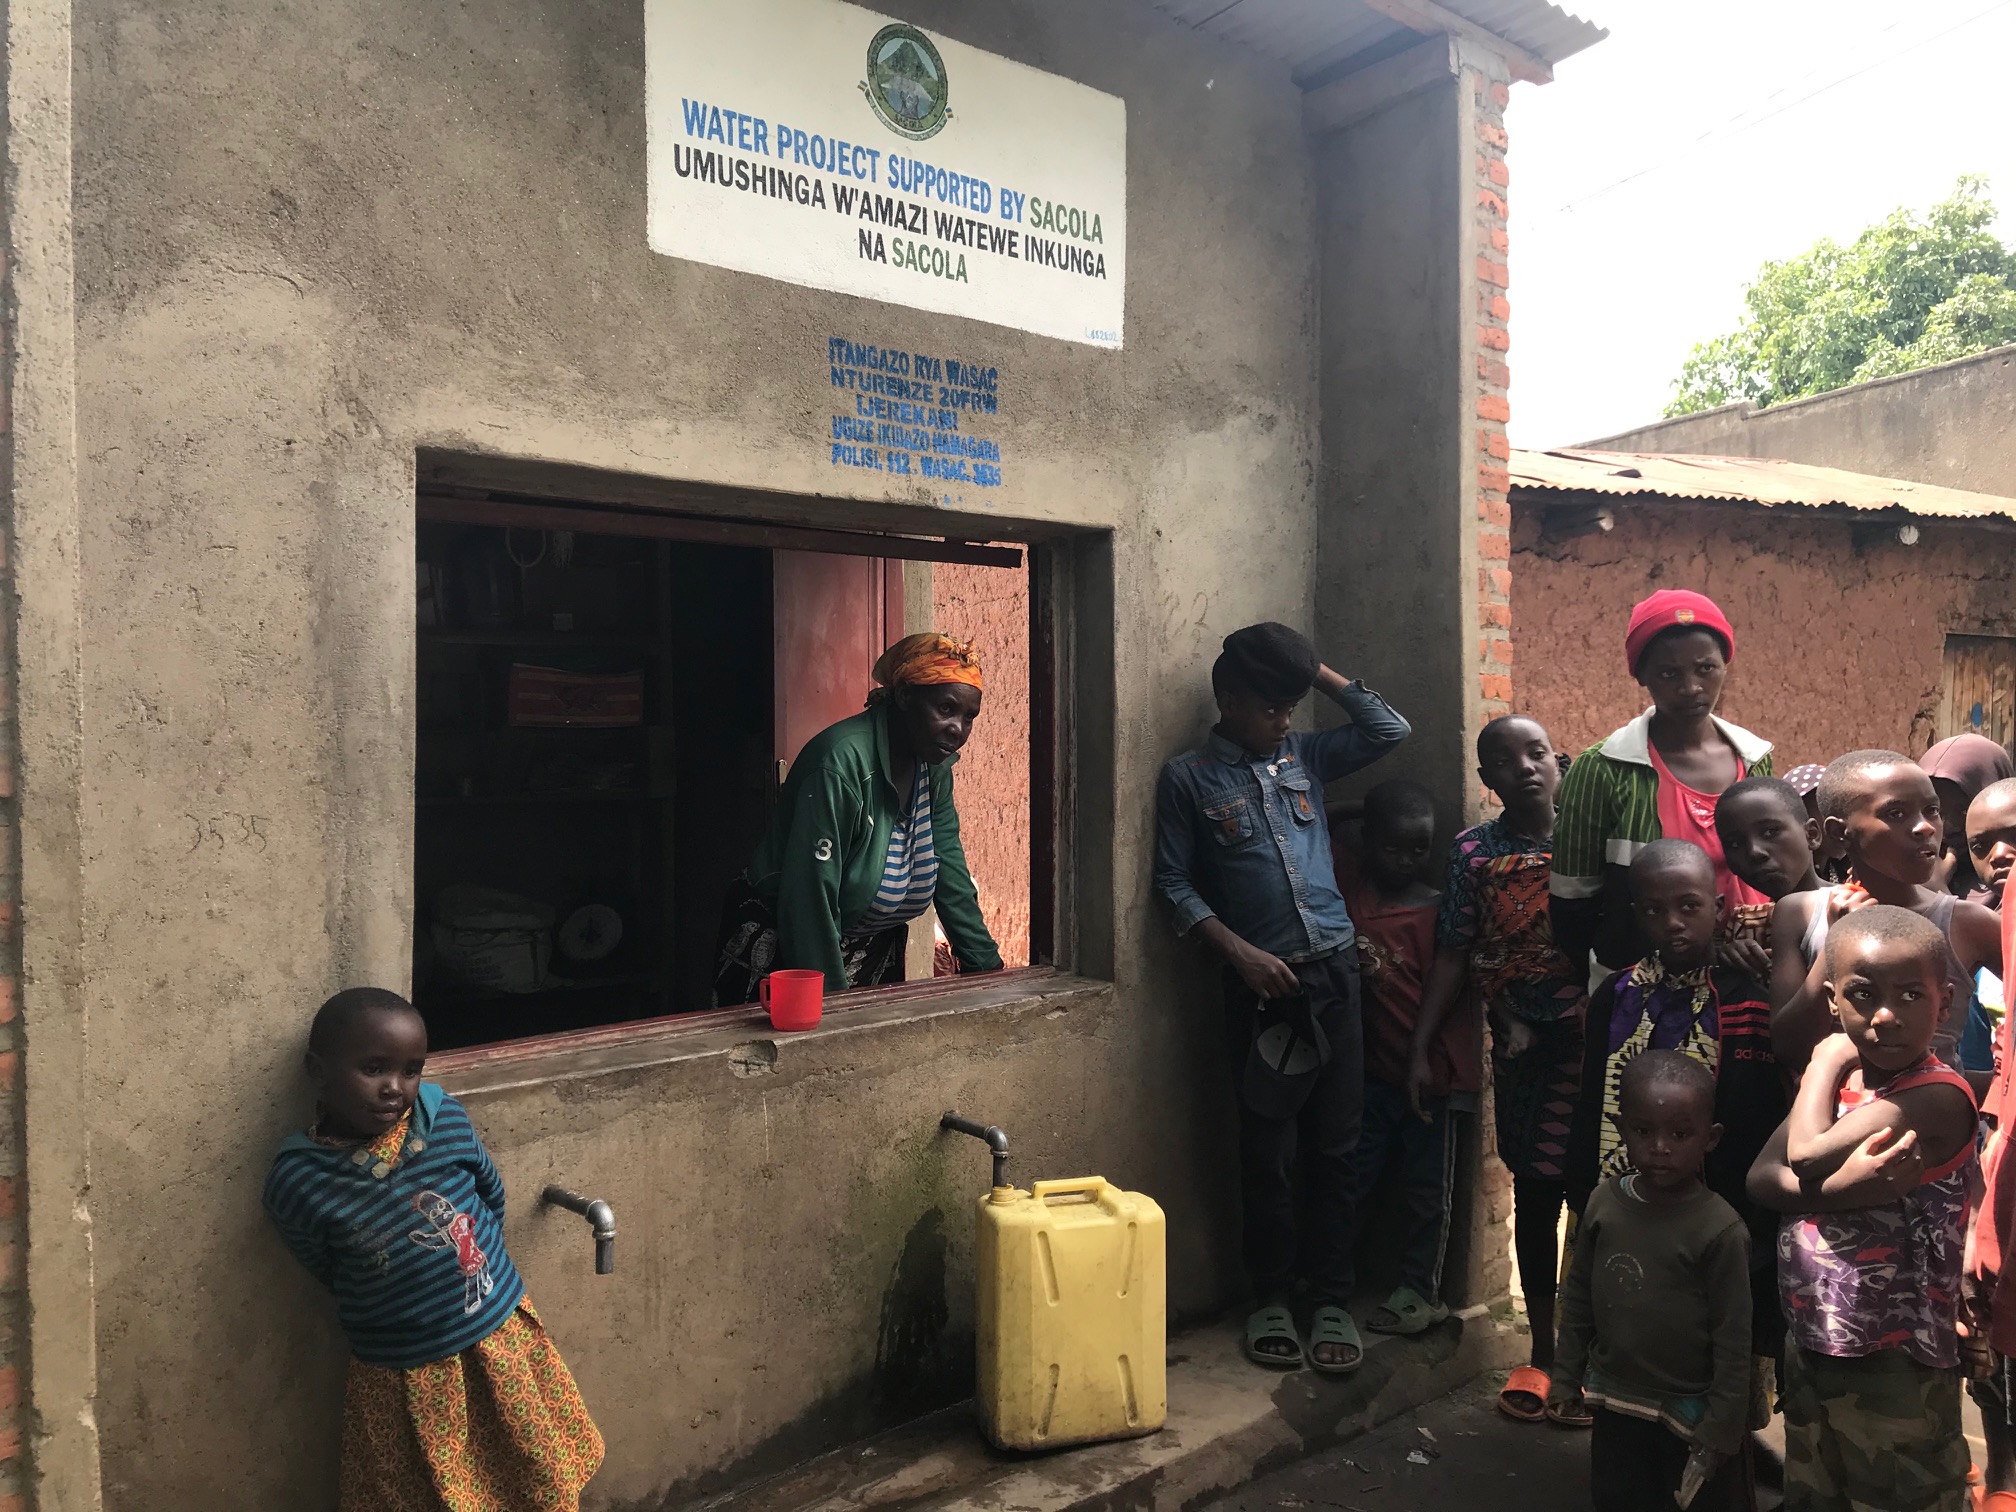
point(996, 1140)
point(600, 1216)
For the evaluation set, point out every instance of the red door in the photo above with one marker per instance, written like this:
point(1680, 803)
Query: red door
point(834, 616)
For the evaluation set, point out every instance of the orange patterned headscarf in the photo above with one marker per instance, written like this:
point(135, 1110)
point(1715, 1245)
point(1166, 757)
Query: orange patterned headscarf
point(919, 661)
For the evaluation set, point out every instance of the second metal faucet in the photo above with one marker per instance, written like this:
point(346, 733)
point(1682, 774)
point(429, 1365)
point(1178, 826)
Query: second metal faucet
point(601, 1217)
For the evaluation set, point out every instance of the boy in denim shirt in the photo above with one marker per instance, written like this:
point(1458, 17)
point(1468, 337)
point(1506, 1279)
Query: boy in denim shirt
point(1242, 854)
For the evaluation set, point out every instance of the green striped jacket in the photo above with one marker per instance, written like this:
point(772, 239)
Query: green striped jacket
point(1608, 812)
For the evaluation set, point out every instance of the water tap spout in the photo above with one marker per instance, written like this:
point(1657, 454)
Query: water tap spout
point(995, 1138)
point(601, 1218)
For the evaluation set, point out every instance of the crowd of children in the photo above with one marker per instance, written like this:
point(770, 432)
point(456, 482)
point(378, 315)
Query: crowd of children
point(1776, 1121)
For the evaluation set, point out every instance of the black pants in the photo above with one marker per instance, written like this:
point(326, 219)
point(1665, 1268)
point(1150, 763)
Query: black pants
point(1324, 1133)
point(1426, 1156)
point(1635, 1466)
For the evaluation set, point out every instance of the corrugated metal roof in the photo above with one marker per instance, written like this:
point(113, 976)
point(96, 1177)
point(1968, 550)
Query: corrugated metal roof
point(1745, 480)
point(1544, 30)
point(1313, 36)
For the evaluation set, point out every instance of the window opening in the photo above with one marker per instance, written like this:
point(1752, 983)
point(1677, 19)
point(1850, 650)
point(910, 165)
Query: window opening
point(605, 702)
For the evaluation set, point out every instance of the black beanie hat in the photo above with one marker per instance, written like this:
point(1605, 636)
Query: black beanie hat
point(1273, 660)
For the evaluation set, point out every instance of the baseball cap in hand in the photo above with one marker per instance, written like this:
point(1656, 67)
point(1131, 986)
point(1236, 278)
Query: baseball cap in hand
point(1287, 1051)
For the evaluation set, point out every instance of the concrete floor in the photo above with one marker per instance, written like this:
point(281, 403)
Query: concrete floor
point(1477, 1458)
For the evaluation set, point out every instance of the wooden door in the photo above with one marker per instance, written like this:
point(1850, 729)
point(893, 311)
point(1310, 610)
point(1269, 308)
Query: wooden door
point(1979, 680)
point(834, 616)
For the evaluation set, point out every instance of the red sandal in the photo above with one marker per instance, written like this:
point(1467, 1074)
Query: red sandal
point(1526, 1381)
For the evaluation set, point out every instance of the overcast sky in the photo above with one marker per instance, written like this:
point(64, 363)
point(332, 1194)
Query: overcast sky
point(1702, 137)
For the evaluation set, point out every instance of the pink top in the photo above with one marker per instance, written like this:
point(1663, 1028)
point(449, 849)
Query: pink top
point(1688, 814)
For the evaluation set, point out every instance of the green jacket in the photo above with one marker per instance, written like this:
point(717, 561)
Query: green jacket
point(818, 868)
point(1607, 812)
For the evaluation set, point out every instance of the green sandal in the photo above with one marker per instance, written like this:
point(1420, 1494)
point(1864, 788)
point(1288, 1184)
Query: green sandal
point(1270, 1325)
point(1406, 1312)
point(1333, 1325)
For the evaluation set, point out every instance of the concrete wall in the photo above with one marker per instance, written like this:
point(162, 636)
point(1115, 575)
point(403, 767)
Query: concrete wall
point(1412, 572)
point(1838, 645)
point(1954, 425)
point(311, 241)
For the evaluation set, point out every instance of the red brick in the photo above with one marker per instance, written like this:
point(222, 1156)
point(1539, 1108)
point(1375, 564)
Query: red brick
point(1493, 371)
point(12, 1501)
point(10, 1207)
point(1498, 479)
point(1494, 407)
point(10, 999)
point(10, 1447)
point(1496, 685)
point(1498, 172)
point(1501, 95)
point(10, 1071)
point(1494, 547)
point(1499, 447)
point(1494, 135)
point(1497, 580)
point(1495, 339)
point(10, 1266)
point(1499, 653)
point(1493, 272)
point(1495, 512)
point(1501, 307)
point(1495, 616)
point(6, 776)
point(10, 921)
point(1495, 204)
point(1501, 241)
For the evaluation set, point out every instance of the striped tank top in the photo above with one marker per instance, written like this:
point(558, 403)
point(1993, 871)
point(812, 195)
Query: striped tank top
point(909, 866)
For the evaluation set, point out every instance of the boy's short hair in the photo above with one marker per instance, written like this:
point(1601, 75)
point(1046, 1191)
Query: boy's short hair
point(1666, 855)
point(334, 1018)
point(1839, 784)
point(1270, 659)
point(1776, 787)
point(1664, 1068)
point(1885, 921)
point(2003, 790)
point(1396, 800)
point(1492, 727)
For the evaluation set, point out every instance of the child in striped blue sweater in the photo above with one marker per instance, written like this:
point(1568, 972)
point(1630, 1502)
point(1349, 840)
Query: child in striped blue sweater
point(456, 1400)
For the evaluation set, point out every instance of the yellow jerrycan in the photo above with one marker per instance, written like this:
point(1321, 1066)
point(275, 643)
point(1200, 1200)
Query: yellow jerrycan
point(1071, 1314)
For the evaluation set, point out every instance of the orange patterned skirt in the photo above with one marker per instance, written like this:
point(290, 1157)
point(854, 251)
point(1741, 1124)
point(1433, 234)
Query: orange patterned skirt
point(499, 1427)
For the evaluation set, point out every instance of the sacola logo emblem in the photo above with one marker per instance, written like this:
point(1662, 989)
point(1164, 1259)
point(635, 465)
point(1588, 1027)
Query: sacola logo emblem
point(906, 82)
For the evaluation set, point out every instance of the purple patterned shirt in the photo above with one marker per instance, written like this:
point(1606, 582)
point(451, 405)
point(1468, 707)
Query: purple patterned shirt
point(1885, 1277)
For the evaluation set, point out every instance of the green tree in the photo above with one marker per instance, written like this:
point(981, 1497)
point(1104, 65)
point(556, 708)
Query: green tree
point(1908, 292)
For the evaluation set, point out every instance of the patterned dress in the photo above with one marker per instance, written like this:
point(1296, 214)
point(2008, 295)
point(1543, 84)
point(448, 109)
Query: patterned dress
point(500, 1427)
point(1494, 907)
point(1868, 1279)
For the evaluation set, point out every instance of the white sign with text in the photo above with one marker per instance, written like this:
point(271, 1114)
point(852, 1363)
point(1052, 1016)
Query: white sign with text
point(826, 145)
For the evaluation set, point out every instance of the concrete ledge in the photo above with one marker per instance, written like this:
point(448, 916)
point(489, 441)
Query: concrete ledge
point(1228, 1421)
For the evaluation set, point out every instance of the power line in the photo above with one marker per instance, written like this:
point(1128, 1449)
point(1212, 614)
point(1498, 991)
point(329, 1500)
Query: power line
point(1731, 127)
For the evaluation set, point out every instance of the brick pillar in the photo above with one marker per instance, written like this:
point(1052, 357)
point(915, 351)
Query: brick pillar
point(1493, 408)
point(1484, 92)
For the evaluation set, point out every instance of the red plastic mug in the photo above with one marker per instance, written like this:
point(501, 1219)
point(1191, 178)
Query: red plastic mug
point(793, 998)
